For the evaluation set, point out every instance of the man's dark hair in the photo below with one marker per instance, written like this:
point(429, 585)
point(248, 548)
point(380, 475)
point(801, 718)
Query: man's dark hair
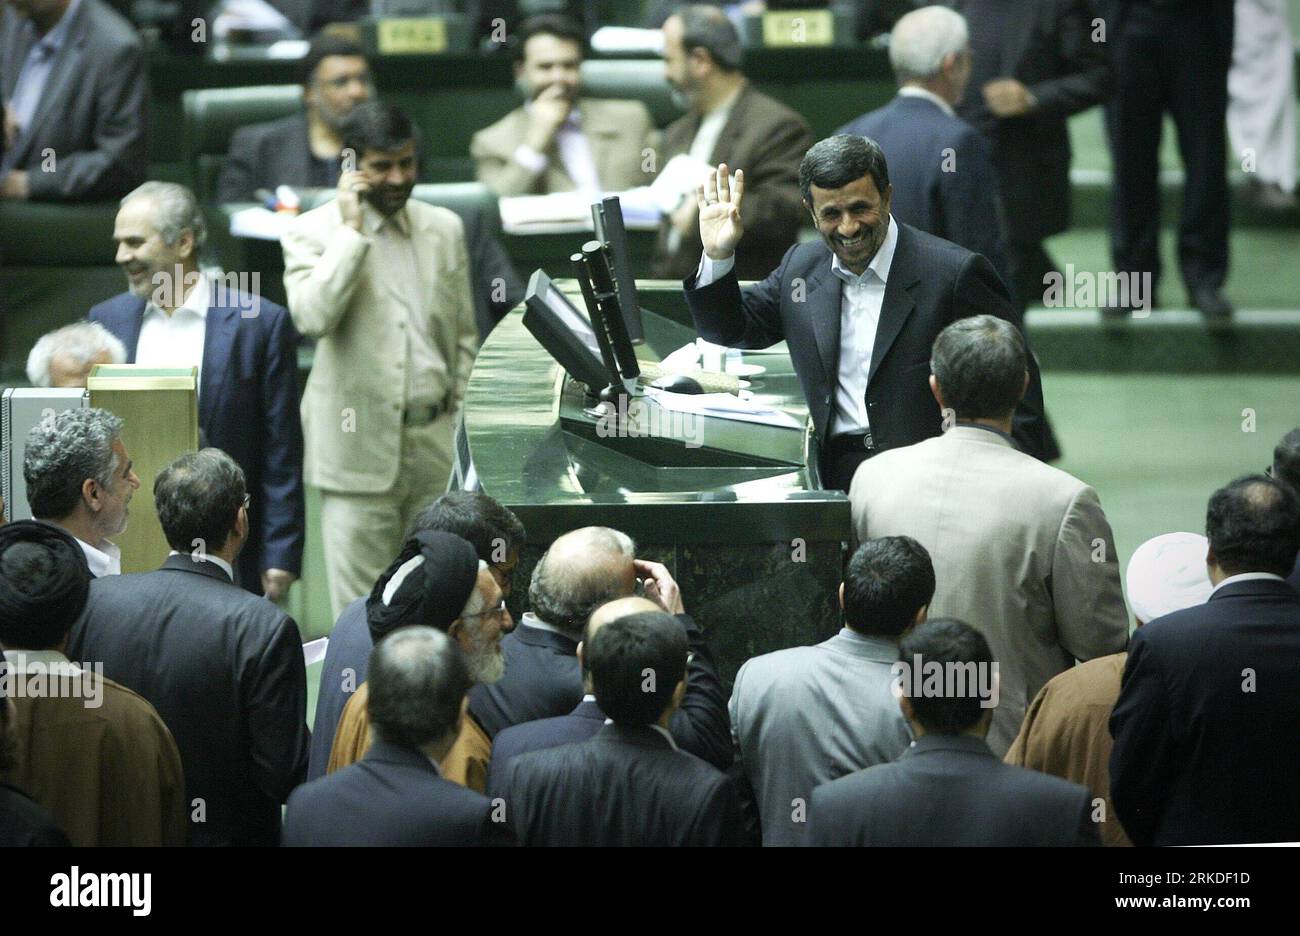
point(44, 585)
point(888, 580)
point(374, 125)
point(549, 24)
point(474, 516)
point(1253, 525)
point(418, 679)
point(64, 451)
point(839, 160)
point(945, 641)
point(322, 47)
point(980, 364)
point(198, 496)
point(707, 28)
point(636, 662)
point(1286, 460)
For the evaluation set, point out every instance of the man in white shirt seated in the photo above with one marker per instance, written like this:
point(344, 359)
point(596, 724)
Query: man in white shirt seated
point(559, 141)
point(79, 477)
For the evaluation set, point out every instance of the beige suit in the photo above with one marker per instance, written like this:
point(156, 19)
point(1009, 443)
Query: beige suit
point(1022, 552)
point(618, 133)
point(362, 295)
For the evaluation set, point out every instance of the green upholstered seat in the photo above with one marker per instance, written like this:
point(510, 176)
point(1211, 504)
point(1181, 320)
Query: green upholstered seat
point(212, 115)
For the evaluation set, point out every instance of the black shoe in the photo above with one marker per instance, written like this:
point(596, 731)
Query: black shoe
point(1210, 300)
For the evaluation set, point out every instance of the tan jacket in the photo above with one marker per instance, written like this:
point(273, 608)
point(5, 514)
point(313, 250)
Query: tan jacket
point(1067, 733)
point(108, 774)
point(352, 407)
point(466, 763)
point(618, 132)
point(1021, 550)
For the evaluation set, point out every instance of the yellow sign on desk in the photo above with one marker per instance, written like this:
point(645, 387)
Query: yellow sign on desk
point(795, 28)
point(423, 36)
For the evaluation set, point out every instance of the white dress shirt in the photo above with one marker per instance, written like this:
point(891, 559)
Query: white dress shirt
point(104, 560)
point(175, 340)
point(861, 298)
point(702, 147)
point(1247, 577)
point(575, 153)
point(914, 91)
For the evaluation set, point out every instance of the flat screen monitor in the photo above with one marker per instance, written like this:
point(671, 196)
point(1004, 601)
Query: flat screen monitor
point(607, 216)
point(564, 331)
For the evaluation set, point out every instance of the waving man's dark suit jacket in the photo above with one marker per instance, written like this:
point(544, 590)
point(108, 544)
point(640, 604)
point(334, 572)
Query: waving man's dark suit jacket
point(248, 408)
point(950, 790)
point(932, 283)
point(94, 108)
point(543, 680)
point(957, 201)
point(392, 797)
point(1207, 743)
point(1046, 45)
point(225, 671)
point(626, 786)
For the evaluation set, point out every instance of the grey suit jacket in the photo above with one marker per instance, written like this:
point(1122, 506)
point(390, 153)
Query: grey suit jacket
point(618, 133)
point(1022, 552)
point(950, 790)
point(94, 109)
point(807, 715)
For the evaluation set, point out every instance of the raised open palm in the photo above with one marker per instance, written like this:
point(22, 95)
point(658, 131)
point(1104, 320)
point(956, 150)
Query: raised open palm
point(719, 200)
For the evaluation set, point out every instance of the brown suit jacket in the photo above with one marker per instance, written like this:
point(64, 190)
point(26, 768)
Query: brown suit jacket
point(108, 774)
point(767, 140)
point(618, 133)
point(466, 763)
point(1066, 733)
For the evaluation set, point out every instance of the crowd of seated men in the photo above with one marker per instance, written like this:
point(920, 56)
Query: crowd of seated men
point(984, 687)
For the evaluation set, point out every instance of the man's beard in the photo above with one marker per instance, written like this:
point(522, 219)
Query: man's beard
point(485, 661)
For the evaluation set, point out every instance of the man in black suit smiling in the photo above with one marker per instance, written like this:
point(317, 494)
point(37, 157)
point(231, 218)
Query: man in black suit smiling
point(859, 309)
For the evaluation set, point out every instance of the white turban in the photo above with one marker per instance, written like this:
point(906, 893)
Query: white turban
point(1166, 574)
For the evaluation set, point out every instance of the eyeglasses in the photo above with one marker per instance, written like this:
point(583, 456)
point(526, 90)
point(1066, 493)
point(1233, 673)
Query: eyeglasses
point(498, 611)
point(248, 500)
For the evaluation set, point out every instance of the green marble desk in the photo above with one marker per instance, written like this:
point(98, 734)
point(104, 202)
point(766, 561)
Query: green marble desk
point(737, 514)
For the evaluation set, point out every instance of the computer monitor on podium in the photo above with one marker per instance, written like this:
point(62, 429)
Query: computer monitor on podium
point(607, 218)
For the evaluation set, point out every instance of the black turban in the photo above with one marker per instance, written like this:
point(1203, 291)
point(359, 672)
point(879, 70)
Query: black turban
point(438, 573)
point(39, 605)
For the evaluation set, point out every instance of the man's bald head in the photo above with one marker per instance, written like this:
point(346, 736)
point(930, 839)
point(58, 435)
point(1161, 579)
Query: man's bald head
point(581, 571)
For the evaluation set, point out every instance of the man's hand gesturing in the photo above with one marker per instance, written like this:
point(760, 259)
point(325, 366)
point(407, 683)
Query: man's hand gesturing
point(719, 201)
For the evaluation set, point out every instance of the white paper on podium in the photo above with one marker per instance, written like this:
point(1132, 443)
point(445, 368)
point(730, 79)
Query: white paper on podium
point(723, 406)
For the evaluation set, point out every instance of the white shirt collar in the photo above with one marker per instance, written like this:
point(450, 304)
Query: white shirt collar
point(1248, 577)
point(105, 560)
point(589, 697)
point(196, 303)
point(375, 222)
point(19, 661)
point(529, 619)
point(217, 561)
point(879, 264)
point(914, 91)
